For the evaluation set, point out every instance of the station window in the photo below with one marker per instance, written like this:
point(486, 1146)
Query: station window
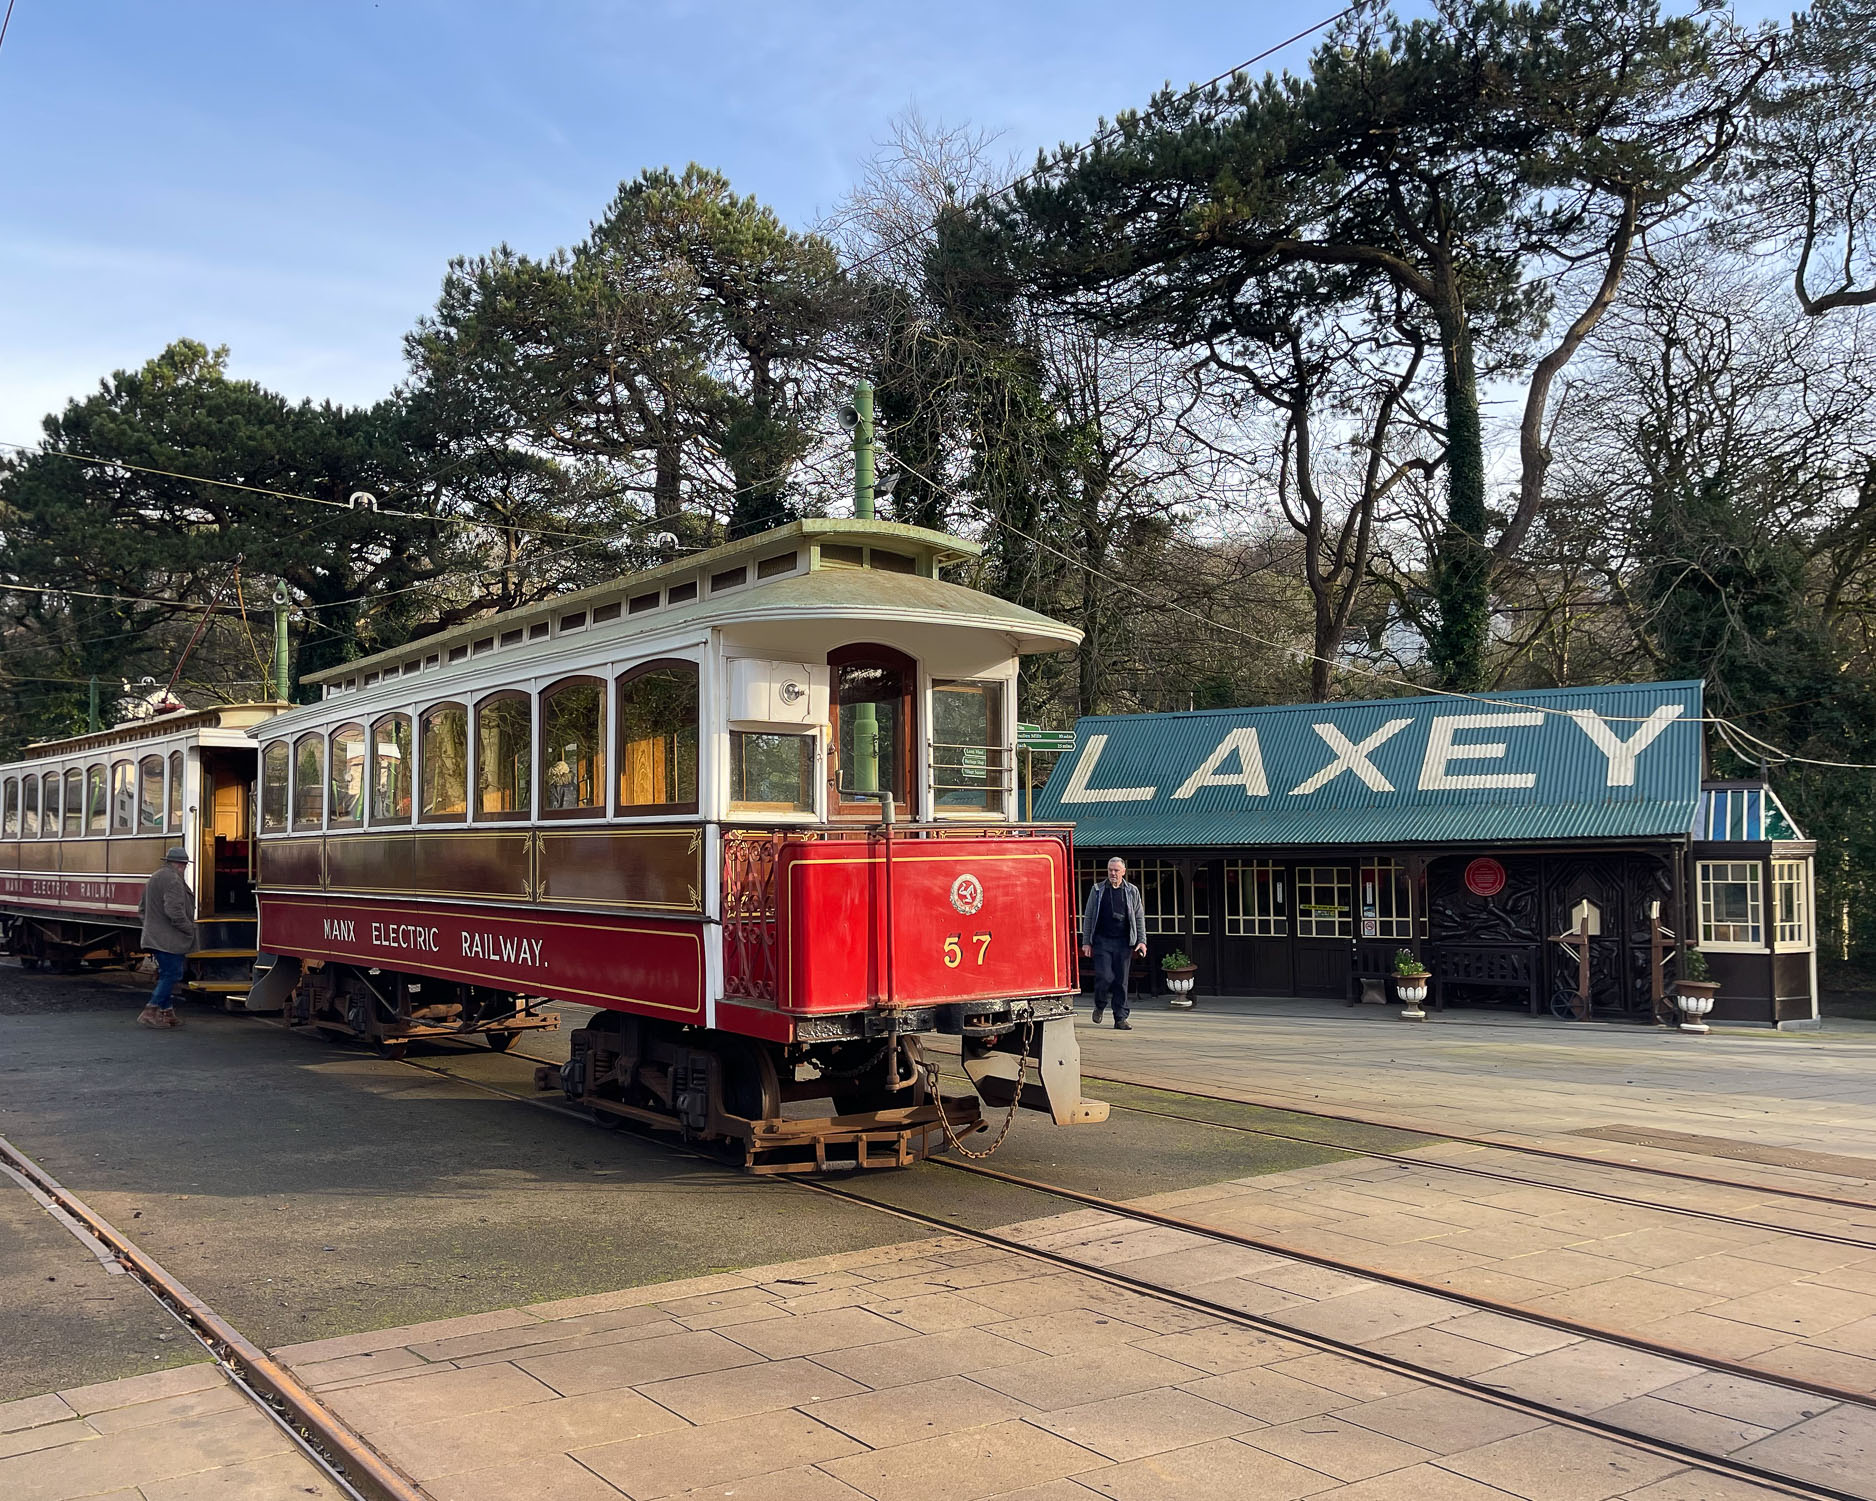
point(658, 738)
point(390, 769)
point(504, 755)
point(123, 797)
point(97, 804)
point(771, 773)
point(443, 762)
point(309, 781)
point(49, 809)
point(1790, 905)
point(29, 808)
point(10, 818)
point(1254, 900)
point(74, 803)
point(573, 748)
point(1387, 905)
point(175, 792)
point(970, 764)
point(1161, 896)
point(873, 727)
point(274, 787)
point(1729, 903)
point(1322, 902)
point(346, 796)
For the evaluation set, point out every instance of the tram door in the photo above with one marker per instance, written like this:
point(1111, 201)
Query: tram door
point(1324, 950)
point(227, 832)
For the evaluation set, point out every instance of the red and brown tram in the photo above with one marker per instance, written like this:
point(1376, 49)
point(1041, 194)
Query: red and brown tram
point(756, 806)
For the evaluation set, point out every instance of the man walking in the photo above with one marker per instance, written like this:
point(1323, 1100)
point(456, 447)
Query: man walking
point(1113, 930)
point(168, 911)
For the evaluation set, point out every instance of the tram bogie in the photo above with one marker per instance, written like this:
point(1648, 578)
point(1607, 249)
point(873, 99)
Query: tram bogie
point(391, 1010)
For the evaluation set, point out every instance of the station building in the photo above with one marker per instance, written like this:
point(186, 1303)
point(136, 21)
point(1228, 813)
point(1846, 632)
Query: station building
point(1293, 850)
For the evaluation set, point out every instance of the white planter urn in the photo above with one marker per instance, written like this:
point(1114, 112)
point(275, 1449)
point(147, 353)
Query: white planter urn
point(1695, 1000)
point(1412, 989)
point(1179, 988)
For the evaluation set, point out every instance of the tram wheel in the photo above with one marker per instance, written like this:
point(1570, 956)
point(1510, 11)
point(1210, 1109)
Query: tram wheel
point(501, 1042)
point(752, 1088)
point(870, 1092)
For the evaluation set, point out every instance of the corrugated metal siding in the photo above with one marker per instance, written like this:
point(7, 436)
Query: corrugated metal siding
point(1149, 759)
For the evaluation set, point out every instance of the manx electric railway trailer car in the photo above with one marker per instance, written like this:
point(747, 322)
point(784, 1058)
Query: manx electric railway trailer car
point(84, 821)
point(757, 806)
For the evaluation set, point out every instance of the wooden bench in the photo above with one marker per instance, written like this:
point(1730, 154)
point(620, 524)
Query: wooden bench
point(1513, 966)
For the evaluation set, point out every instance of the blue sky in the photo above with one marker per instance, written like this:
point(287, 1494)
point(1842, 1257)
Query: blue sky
point(290, 178)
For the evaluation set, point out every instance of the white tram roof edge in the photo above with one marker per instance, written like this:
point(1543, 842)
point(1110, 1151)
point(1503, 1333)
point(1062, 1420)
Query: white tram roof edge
point(219, 724)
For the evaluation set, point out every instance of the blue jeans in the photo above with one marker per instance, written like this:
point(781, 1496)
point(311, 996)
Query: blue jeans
point(1113, 967)
point(168, 975)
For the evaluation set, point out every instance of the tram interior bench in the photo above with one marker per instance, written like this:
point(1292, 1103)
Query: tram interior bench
point(1500, 966)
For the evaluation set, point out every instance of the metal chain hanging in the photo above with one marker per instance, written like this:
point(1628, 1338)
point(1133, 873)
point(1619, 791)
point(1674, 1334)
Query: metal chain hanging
point(933, 1078)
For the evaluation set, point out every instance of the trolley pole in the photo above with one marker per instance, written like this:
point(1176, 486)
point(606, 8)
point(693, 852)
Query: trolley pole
point(95, 725)
point(281, 679)
point(865, 715)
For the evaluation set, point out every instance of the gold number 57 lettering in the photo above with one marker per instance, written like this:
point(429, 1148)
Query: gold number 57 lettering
point(954, 948)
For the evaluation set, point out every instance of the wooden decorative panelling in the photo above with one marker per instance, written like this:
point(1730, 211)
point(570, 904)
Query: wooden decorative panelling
point(135, 857)
point(291, 864)
point(655, 869)
point(40, 856)
point(10, 854)
point(486, 863)
point(82, 856)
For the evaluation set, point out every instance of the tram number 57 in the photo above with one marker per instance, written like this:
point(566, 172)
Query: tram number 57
point(954, 948)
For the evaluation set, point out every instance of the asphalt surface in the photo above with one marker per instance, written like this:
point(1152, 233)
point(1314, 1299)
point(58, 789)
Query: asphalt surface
point(307, 1189)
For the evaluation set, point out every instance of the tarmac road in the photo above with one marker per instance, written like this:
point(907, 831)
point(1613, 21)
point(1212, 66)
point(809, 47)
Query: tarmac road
point(306, 1189)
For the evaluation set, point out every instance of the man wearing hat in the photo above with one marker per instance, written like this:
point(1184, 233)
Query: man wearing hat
point(168, 911)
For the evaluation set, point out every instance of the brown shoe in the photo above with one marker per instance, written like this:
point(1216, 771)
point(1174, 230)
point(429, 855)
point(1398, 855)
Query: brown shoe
point(170, 1018)
point(150, 1017)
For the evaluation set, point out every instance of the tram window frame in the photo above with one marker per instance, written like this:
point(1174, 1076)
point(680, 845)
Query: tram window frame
point(72, 805)
point(373, 785)
point(313, 742)
point(29, 806)
point(950, 758)
point(520, 784)
point(672, 742)
point(50, 797)
point(124, 797)
point(343, 734)
point(10, 802)
point(276, 787)
point(175, 792)
point(428, 721)
point(903, 756)
point(97, 801)
point(594, 777)
point(808, 749)
point(152, 795)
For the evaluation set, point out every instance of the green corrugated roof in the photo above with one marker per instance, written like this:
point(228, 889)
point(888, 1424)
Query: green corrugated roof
point(1559, 764)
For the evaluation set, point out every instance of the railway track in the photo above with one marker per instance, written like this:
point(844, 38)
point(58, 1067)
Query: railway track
point(1715, 1464)
point(332, 1447)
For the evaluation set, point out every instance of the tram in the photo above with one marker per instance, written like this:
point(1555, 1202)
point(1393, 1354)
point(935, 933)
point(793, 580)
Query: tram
point(756, 807)
point(84, 821)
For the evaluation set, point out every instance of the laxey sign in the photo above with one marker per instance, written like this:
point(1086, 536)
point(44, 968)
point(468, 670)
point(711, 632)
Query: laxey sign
point(1617, 762)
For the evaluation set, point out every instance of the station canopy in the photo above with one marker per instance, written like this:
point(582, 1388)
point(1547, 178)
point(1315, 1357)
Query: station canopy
point(1557, 764)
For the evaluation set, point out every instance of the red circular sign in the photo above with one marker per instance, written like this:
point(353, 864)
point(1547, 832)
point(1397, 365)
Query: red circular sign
point(1485, 877)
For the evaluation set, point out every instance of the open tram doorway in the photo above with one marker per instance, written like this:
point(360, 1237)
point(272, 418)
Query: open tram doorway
point(225, 877)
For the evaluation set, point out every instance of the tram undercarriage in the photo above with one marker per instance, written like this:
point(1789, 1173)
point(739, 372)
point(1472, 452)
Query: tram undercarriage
point(392, 1010)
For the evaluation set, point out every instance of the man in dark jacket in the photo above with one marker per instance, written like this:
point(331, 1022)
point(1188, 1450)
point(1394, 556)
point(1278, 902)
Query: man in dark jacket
point(1113, 930)
point(168, 911)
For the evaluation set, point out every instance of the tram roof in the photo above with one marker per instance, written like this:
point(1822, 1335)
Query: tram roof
point(233, 717)
point(1621, 762)
point(831, 581)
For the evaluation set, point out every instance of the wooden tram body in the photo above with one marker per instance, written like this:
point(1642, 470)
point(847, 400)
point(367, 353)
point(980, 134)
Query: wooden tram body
point(84, 821)
point(756, 806)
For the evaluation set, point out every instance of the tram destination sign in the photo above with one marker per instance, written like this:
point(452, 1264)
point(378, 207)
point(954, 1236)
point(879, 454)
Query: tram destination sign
point(1032, 737)
point(1561, 763)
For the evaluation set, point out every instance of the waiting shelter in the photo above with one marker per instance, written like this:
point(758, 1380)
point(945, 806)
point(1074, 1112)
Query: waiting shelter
point(1293, 850)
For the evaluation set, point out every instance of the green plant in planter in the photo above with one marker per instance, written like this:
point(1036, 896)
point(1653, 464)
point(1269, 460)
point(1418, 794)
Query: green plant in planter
point(1176, 960)
point(1407, 962)
point(1694, 966)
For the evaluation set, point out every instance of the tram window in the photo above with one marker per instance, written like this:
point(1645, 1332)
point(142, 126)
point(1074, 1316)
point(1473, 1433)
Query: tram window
point(573, 748)
point(681, 594)
point(771, 773)
point(347, 793)
point(123, 797)
point(443, 743)
point(309, 781)
point(390, 769)
point(842, 555)
point(49, 807)
point(150, 795)
point(274, 787)
point(10, 820)
point(74, 803)
point(892, 562)
point(658, 738)
point(97, 805)
point(606, 613)
point(175, 792)
point(969, 763)
point(29, 809)
point(504, 755)
point(873, 726)
point(776, 565)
